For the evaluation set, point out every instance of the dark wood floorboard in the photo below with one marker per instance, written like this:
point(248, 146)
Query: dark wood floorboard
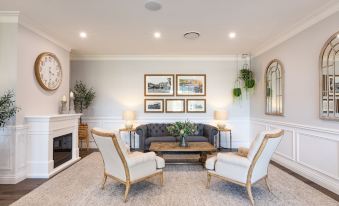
point(11, 193)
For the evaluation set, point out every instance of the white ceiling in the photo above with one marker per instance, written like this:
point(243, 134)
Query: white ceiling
point(125, 27)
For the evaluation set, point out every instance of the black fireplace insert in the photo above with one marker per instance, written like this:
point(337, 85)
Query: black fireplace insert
point(62, 149)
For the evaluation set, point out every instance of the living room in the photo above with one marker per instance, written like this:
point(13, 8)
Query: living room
point(190, 103)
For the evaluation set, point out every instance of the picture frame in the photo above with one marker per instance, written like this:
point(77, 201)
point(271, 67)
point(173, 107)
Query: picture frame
point(154, 106)
point(159, 84)
point(191, 84)
point(175, 106)
point(196, 105)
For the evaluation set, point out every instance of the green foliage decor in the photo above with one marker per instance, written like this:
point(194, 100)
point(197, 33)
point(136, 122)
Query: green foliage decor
point(7, 107)
point(179, 129)
point(83, 96)
point(236, 92)
point(247, 76)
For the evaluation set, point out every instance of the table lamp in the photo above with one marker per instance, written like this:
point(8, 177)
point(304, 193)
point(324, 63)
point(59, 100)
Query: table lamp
point(129, 117)
point(220, 116)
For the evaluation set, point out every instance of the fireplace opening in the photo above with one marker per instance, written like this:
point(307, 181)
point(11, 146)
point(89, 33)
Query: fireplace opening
point(62, 149)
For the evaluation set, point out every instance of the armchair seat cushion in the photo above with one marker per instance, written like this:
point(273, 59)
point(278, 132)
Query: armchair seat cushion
point(137, 158)
point(233, 158)
point(149, 140)
point(160, 162)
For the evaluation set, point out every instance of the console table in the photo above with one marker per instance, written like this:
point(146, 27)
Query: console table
point(225, 130)
point(130, 131)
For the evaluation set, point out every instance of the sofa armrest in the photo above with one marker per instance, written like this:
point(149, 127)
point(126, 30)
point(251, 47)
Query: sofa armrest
point(139, 158)
point(142, 132)
point(209, 132)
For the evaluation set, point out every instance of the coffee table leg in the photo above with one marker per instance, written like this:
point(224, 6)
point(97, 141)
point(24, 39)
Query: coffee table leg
point(203, 157)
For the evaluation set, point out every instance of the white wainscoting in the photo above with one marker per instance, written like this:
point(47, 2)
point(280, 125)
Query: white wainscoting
point(13, 143)
point(240, 128)
point(312, 152)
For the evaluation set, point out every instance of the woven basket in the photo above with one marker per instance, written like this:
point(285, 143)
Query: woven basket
point(83, 131)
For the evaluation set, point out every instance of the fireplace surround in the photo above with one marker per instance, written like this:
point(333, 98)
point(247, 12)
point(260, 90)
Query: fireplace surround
point(46, 133)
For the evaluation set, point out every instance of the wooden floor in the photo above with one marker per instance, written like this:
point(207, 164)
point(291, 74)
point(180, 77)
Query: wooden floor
point(11, 193)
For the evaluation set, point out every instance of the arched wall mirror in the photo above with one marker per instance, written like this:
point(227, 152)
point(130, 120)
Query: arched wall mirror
point(274, 81)
point(329, 79)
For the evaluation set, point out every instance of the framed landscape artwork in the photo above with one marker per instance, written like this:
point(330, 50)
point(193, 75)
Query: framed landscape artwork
point(175, 105)
point(159, 85)
point(191, 84)
point(195, 105)
point(154, 106)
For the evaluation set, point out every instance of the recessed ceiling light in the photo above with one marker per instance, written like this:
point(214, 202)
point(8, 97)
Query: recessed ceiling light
point(232, 35)
point(153, 5)
point(192, 35)
point(157, 35)
point(83, 35)
point(338, 36)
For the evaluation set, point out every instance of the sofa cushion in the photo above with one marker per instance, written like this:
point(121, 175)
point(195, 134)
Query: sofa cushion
point(157, 130)
point(196, 139)
point(149, 140)
point(200, 130)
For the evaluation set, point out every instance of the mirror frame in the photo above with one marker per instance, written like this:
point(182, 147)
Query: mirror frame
point(282, 86)
point(321, 115)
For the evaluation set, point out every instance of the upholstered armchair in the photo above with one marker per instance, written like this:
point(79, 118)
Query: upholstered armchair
point(246, 167)
point(125, 166)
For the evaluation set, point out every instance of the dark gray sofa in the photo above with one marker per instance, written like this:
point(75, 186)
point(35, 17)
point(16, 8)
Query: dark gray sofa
point(149, 133)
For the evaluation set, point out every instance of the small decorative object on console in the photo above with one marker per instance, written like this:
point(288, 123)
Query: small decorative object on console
point(182, 130)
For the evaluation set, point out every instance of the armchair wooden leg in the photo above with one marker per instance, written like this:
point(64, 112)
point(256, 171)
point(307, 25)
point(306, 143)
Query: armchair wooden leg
point(162, 178)
point(249, 192)
point(267, 185)
point(209, 176)
point(103, 181)
point(128, 186)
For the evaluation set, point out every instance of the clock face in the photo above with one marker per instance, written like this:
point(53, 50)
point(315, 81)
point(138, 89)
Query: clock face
point(48, 71)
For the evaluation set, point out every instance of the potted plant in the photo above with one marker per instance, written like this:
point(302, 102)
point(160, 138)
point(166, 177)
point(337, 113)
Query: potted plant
point(83, 98)
point(247, 76)
point(182, 130)
point(7, 107)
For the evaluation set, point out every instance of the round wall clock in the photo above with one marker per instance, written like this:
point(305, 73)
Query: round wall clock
point(48, 71)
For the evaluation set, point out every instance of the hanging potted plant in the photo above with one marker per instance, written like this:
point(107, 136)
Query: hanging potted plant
point(83, 98)
point(237, 90)
point(246, 75)
point(7, 107)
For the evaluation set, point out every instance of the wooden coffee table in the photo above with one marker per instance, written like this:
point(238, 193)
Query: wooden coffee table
point(202, 148)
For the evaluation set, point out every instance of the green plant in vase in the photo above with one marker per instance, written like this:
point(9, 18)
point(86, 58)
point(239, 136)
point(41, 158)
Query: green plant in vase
point(182, 130)
point(83, 96)
point(7, 107)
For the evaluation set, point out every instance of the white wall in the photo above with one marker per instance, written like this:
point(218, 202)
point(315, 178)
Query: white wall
point(8, 56)
point(311, 145)
point(119, 85)
point(31, 97)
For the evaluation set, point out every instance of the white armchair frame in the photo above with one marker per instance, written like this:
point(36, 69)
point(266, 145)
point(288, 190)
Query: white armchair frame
point(137, 159)
point(249, 182)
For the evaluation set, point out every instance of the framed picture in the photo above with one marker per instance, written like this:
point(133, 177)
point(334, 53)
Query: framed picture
point(159, 84)
point(154, 106)
point(175, 105)
point(191, 84)
point(196, 105)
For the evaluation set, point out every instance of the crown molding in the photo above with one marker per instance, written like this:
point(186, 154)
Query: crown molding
point(75, 57)
point(9, 16)
point(322, 13)
point(28, 24)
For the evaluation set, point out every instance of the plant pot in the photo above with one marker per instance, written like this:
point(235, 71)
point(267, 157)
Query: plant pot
point(182, 142)
point(83, 131)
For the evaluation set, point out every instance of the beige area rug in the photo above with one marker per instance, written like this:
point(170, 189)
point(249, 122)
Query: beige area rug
point(184, 185)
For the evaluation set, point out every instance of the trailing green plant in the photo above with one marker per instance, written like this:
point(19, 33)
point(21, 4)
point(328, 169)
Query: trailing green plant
point(179, 129)
point(236, 92)
point(246, 76)
point(7, 107)
point(83, 96)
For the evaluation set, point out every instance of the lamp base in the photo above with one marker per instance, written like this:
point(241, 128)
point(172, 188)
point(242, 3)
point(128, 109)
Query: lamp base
point(128, 125)
point(221, 126)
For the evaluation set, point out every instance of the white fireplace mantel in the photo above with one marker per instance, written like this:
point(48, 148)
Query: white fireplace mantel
point(41, 131)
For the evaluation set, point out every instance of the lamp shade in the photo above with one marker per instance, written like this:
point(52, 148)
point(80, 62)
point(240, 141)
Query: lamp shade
point(129, 115)
point(220, 115)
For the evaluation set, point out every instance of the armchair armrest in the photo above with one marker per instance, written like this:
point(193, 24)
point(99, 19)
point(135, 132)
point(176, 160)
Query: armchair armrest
point(142, 132)
point(233, 158)
point(139, 157)
point(210, 131)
